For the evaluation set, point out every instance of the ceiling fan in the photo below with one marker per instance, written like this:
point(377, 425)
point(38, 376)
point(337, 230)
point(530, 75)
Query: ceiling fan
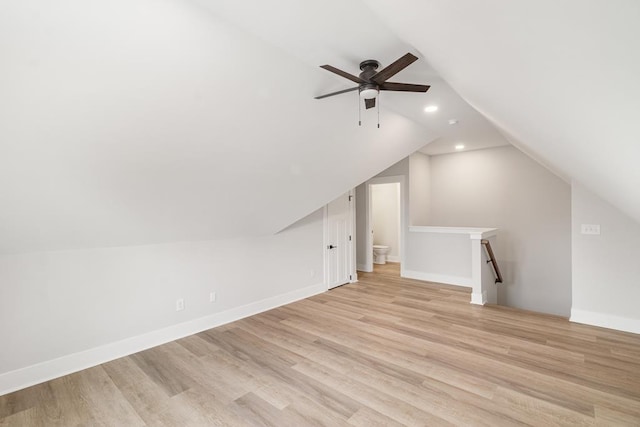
point(370, 81)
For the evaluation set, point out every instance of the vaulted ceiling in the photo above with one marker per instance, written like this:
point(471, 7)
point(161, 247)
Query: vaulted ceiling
point(145, 121)
point(560, 79)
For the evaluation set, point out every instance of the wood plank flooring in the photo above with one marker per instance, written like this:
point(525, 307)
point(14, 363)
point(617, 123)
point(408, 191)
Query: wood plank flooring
point(384, 351)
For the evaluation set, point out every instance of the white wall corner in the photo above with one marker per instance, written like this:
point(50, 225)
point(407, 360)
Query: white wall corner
point(483, 233)
point(478, 293)
point(604, 320)
point(51, 369)
point(363, 267)
point(479, 298)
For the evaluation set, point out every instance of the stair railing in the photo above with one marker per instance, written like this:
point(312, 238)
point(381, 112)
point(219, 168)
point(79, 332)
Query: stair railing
point(492, 259)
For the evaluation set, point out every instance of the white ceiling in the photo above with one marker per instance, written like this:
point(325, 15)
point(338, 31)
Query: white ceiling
point(559, 77)
point(144, 121)
point(343, 34)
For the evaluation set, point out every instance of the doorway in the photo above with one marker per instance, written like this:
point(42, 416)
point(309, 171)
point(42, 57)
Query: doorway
point(385, 220)
point(339, 247)
point(384, 204)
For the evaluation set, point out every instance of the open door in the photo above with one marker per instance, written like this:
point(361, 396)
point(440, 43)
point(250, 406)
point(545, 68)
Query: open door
point(339, 241)
point(365, 221)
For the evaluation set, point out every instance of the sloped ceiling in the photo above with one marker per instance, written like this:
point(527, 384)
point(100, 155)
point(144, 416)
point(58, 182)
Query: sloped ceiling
point(561, 78)
point(144, 121)
point(134, 122)
point(343, 34)
point(140, 121)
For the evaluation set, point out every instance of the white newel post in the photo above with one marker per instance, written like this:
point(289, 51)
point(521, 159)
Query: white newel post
point(478, 295)
point(482, 285)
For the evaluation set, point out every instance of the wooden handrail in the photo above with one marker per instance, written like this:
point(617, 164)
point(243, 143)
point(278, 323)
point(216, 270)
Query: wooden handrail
point(492, 260)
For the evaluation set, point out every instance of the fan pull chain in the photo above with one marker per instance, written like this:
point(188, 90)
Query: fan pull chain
point(359, 112)
point(378, 109)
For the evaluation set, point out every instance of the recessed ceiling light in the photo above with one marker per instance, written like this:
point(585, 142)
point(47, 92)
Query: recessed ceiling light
point(459, 147)
point(453, 121)
point(431, 108)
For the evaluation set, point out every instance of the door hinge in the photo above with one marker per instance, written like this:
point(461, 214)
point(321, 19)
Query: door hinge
point(350, 277)
point(350, 197)
point(349, 238)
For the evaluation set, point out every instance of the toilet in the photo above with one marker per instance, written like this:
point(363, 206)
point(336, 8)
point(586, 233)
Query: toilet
point(380, 254)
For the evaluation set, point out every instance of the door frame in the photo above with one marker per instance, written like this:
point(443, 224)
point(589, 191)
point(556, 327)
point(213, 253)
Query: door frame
point(399, 179)
point(351, 252)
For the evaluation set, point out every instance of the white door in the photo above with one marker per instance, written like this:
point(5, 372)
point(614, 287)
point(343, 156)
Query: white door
point(339, 222)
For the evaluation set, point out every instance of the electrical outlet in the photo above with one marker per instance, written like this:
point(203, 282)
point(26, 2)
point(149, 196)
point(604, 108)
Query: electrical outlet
point(590, 229)
point(179, 304)
point(212, 297)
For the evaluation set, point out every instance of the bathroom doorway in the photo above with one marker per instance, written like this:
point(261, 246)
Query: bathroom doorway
point(385, 222)
point(381, 221)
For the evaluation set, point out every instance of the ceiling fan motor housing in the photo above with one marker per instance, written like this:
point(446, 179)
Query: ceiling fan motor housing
point(368, 68)
point(370, 89)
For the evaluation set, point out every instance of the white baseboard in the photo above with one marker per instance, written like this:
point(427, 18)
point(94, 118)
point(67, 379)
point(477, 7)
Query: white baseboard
point(610, 321)
point(437, 278)
point(479, 298)
point(45, 371)
point(393, 258)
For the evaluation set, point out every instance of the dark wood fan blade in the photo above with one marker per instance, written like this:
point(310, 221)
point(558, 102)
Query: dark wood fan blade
point(369, 103)
point(351, 89)
point(404, 87)
point(395, 68)
point(342, 73)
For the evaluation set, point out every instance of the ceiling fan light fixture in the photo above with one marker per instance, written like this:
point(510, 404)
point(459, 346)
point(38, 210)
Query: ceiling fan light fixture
point(369, 93)
point(371, 81)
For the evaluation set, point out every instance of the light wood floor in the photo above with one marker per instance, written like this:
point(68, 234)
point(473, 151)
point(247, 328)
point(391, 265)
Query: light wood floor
point(382, 352)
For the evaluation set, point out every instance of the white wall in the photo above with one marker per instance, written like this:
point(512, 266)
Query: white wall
point(606, 271)
point(503, 188)
point(385, 214)
point(438, 257)
point(419, 188)
point(55, 304)
point(400, 168)
point(361, 228)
